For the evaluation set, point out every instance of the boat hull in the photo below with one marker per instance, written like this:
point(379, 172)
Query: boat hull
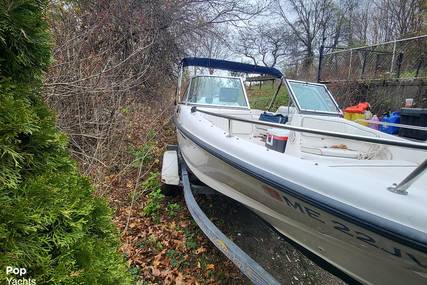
point(362, 254)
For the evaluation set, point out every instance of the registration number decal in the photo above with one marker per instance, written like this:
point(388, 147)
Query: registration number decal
point(346, 229)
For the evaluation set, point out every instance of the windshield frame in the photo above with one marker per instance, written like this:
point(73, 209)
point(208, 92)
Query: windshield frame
point(217, 105)
point(301, 110)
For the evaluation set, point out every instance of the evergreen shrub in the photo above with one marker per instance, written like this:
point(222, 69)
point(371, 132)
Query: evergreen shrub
point(50, 221)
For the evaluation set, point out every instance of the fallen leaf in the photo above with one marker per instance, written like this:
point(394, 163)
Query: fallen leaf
point(129, 184)
point(155, 272)
point(179, 280)
point(210, 266)
point(200, 250)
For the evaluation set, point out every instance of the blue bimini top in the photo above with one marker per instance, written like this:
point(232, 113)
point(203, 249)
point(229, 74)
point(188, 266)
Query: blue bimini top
point(231, 66)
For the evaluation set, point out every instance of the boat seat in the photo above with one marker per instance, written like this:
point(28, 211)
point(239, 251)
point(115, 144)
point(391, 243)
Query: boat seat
point(286, 111)
point(333, 152)
point(322, 145)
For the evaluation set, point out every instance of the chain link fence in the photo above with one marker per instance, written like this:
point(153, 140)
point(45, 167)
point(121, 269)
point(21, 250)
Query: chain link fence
point(400, 59)
point(302, 69)
point(382, 74)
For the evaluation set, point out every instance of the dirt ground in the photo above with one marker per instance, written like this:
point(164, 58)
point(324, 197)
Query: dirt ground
point(264, 245)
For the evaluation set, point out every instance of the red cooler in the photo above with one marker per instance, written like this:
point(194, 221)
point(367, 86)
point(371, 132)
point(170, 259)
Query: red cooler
point(277, 139)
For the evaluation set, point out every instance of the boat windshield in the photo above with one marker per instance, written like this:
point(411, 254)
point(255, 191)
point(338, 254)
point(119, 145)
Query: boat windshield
point(312, 97)
point(212, 90)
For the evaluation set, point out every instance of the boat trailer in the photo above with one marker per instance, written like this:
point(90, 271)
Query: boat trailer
point(172, 166)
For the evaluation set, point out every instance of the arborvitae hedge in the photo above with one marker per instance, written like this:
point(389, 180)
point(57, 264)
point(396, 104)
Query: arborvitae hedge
point(50, 222)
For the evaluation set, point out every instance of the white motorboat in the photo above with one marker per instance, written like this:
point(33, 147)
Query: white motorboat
point(351, 195)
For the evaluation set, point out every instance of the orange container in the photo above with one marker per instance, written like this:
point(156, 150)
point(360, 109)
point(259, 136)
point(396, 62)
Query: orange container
point(359, 108)
point(353, 113)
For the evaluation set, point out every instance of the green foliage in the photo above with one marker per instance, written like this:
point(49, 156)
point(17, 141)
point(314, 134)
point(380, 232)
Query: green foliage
point(172, 209)
point(177, 259)
point(203, 261)
point(135, 271)
point(155, 197)
point(50, 222)
point(190, 241)
point(152, 182)
point(154, 204)
point(259, 98)
point(125, 110)
point(24, 39)
point(411, 73)
point(142, 154)
point(151, 243)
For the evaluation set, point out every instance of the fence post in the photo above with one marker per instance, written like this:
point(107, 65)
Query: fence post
point(365, 55)
point(349, 65)
point(319, 69)
point(399, 63)
point(377, 64)
point(420, 62)
point(392, 57)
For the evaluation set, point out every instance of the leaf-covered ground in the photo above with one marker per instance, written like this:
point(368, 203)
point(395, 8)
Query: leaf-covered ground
point(172, 249)
point(160, 240)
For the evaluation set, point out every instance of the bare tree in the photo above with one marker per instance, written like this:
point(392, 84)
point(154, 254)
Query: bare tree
point(214, 44)
point(312, 18)
point(246, 45)
point(397, 18)
point(111, 56)
point(382, 20)
point(265, 44)
point(193, 20)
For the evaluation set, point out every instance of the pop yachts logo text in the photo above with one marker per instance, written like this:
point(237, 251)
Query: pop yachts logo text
point(16, 276)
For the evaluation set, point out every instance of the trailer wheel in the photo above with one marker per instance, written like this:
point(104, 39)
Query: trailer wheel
point(170, 190)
